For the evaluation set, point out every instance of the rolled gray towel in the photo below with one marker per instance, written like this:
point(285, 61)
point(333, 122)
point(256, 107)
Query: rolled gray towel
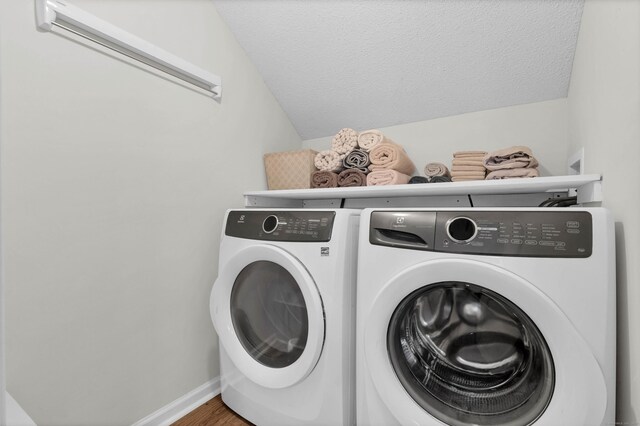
point(419, 179)
point(439, 179)
point(357, 159)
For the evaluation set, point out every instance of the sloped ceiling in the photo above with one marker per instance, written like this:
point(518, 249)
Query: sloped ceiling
point(375, 63)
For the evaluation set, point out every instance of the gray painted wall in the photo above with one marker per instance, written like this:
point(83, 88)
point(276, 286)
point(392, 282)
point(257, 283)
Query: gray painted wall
point(114, 185)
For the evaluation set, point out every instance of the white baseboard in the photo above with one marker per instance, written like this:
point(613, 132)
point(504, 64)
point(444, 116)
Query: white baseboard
point(16, 416)
point(182, 406)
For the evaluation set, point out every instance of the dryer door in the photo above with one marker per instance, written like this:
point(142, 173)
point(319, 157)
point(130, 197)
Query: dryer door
point(269, 317)
point(466, 343)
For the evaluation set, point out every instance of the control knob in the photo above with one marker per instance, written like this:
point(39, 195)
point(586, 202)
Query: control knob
point(461, 229)
point(270, 224)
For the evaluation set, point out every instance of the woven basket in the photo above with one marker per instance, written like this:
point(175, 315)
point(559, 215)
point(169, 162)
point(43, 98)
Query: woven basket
point(289, 170)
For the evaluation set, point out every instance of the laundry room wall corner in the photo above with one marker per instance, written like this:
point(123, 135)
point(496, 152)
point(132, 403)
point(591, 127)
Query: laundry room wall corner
point(115, 181)
point(604, 106)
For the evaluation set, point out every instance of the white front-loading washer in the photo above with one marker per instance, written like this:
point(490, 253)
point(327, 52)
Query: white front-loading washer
point(283, 306)
point(486, 317)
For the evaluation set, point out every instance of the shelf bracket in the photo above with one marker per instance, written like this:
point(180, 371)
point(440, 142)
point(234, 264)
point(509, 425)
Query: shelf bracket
point(590, 192)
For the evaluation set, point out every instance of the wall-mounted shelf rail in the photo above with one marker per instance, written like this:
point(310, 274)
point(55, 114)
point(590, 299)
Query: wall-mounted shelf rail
point(494, 193)
point(62, 14)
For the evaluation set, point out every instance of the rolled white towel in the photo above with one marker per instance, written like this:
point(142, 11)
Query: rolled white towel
point(345, 141)
point(368, 139)
point(328, 161)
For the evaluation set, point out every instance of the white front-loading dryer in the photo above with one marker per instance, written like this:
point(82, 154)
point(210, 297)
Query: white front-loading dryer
point(486, 317)
point(283, 306)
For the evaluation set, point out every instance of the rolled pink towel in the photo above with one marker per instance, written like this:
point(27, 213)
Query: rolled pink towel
point(391, 156)
point(324, 179)
point(436, 169)
point(345, 141)
point(522, 172)
point(387, 177)
point(328, 161)
point(514, 157)
point(352, 177)
point(369, 139)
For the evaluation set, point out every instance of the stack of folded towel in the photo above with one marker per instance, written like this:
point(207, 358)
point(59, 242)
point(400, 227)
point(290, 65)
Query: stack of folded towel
point(512, 162)
point(468, 165)
point(358, 159)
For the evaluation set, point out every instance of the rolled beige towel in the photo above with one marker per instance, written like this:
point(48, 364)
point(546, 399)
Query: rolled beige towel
point(369, 139)
point(514, 157)
point(324, 179)
point(387, 177)
point(345, 141)
point(391, 156)
point(352, 177)
point(328, 161)
point(521, 172)
point(436, 169)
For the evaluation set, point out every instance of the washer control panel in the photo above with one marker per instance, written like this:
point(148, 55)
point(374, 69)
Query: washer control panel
point(302, 226)
point(550, 233)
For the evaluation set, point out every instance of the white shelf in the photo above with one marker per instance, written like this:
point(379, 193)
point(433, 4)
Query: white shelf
point(506, 192)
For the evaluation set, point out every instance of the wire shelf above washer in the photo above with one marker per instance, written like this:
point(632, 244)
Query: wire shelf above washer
point(487, 193)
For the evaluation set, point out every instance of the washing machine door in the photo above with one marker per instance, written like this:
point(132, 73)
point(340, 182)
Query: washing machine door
point(269, 316)
point(461, 342)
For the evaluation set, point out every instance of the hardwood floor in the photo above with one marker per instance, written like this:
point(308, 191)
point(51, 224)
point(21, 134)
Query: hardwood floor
point(212, 413)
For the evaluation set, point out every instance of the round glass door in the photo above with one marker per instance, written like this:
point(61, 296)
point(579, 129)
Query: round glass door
point(269, 314)
point(467, 355)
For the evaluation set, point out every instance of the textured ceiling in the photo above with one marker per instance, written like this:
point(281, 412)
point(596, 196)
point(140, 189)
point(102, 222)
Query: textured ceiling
point(371, 63)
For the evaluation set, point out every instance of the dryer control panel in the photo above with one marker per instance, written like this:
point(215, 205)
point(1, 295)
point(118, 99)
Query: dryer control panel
point(498, 233)
point(274, 225)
